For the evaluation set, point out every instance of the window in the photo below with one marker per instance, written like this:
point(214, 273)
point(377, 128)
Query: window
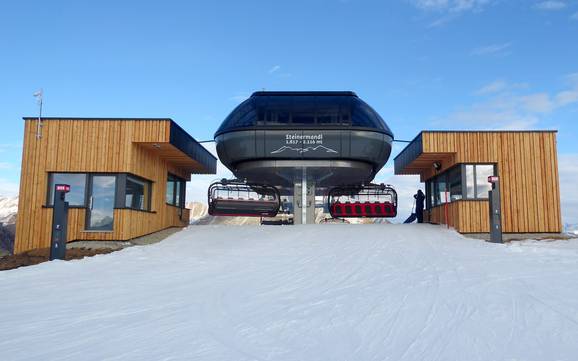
point(455, 183)
point(436, 189)
point(261, 117)
point(170, 196)
point(440, 190)
point(470, 184)
point(278, 117)
point(175, 191)
point(430, 189)
point(77, 183)
point(482, 184)
point(328, 116)
point(177, 194)
point(137, 194)
point(345, 118)
point(464, 181)
point(477, 180)
point(303, 118)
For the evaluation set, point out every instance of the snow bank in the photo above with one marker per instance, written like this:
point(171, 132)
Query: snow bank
point(321, 292)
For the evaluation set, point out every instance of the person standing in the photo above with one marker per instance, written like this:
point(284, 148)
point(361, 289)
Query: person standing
point(419, 203)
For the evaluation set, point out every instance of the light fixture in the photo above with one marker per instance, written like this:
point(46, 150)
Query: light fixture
point(437, 166)
point(155, 145)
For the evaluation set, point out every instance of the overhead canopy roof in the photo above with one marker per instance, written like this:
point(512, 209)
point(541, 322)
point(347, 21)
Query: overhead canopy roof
point(452, 147)
point(173, 144)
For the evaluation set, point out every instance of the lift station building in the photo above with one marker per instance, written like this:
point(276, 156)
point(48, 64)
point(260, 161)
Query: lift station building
point(455, 166)
point(127, 177)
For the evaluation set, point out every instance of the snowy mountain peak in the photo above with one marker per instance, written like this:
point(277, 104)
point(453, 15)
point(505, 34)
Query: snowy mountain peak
point(8, 209)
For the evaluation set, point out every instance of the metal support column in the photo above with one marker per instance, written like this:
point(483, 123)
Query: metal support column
point(495, 211)
point(303, 199)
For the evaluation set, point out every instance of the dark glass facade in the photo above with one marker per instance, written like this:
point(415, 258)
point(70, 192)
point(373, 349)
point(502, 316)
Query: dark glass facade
point(304, 109)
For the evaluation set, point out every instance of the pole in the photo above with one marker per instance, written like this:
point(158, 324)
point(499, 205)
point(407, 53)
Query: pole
point(304, 197)
point(39, 95)
point(446, 208)
point(495, 210)
point(59, 222)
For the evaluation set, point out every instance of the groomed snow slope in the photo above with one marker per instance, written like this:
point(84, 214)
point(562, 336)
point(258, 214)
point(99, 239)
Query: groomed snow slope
point(324, 292)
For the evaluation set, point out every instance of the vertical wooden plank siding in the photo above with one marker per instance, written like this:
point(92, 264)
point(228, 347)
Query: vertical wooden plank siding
point(528, 169)
point(99, 146)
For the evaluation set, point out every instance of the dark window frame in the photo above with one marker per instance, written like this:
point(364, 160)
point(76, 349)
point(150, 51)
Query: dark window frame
point(120, 189)
point(182, 191)
point(120, 200)
point(89, 190)
point(49, 202)
point(475, 175)
point(445, 174)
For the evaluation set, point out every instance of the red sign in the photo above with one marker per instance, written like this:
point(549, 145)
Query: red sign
point(493, 179)
point(62, 188)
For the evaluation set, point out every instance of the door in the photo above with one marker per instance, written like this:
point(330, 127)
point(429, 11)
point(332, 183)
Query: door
point(100, 213)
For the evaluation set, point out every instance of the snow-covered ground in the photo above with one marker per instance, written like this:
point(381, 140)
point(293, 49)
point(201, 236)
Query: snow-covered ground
point(322, 292)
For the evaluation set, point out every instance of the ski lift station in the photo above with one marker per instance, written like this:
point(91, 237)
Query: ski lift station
point(127, 176)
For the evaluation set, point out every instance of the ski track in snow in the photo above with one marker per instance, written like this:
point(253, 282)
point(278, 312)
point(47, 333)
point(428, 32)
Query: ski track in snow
point(322, 292)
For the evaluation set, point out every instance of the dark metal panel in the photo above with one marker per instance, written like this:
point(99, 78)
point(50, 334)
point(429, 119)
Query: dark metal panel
point(188, 145)
point(408, 154)
point(120, 195)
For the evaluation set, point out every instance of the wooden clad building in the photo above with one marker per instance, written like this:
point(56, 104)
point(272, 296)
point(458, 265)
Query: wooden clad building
point(127, 177)
point(457, 187)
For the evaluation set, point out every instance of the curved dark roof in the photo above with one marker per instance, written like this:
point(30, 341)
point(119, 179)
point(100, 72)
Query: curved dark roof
point(302, 110)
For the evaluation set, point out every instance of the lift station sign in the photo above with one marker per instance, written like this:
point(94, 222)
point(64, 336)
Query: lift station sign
point(303, 143)
point(305, 139)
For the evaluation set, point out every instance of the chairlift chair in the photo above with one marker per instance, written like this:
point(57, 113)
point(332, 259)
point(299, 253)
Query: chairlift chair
point(240, 199)
point(366, 201)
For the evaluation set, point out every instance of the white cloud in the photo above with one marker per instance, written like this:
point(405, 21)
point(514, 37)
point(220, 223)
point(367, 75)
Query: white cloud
point(550, 5)
point(492, 49)
point(8, 188)
point(536, 103)
point(5, 166)
point(239, 97)
point(442, 21)
point(572, 79)
point(448, 9)
point(274, 69)
point(487, 116)
point(574, 16)
point(449, 5)
point(500, 86)
point(567, 97)
point(493, 87)
point(506, 109)
point(568, 170)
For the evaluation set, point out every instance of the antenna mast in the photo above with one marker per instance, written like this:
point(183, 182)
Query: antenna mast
point(38, 95)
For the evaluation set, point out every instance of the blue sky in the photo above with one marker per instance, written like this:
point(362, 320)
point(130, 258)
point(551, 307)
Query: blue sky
point(422, 64)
